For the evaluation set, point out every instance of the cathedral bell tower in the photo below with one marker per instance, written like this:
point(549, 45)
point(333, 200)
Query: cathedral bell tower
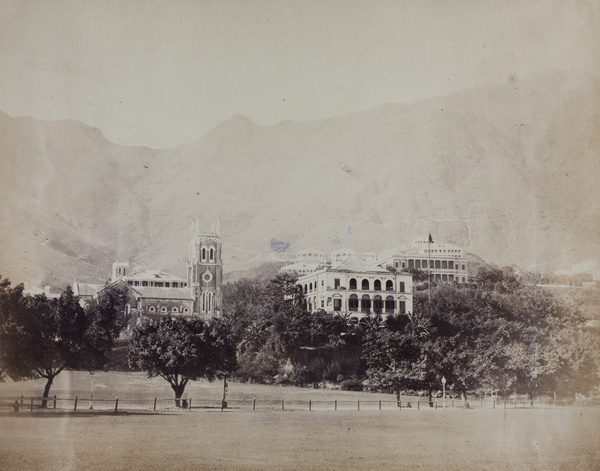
point(205, 270)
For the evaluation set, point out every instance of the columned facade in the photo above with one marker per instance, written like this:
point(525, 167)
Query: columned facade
point(357, 289)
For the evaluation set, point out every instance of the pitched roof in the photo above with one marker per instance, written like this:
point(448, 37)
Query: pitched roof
point(154, 275)
point(353, 264)
point(165, 293)
point(86, 289)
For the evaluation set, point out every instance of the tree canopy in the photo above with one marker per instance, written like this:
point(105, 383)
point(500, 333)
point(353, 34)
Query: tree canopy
point(181, 350)
point(40, 337)
point(497, 334)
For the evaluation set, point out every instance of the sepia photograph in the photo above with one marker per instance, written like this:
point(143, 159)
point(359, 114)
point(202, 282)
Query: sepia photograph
point(299, 234)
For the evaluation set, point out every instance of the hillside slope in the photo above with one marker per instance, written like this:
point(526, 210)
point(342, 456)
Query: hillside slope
point(510, 173)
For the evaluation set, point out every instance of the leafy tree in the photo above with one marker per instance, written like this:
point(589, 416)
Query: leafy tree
point(181, 350)
point(12, 364)
point(44, 336)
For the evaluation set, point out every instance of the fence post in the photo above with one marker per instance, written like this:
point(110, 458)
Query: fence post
point(254, 404)
point(335, 404)
point(154, 404)
point(453, 403)
point(418, 405)
point(310, 404)
point(31, 405)
point(399, 404)
point(75, 406)
point(116, 405)
point(21, 400)
point(190, 404)
point(358, 405)
point(282, 405)
point(436, 404)
point(379, 404)
point(54, 402)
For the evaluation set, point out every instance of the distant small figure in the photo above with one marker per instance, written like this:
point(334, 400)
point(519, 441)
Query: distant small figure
point(16, 407)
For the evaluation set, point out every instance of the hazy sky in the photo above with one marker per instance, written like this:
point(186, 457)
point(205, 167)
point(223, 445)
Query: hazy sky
point(161, 73)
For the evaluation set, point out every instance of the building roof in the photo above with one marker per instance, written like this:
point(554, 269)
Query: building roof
point(437, 250)
point(154, 275)
point(353, 264)
point(300, 267)
point(164, 293)
point(86, 289)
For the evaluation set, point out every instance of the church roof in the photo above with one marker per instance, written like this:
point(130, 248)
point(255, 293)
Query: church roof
point(154, 275)
point(165, 293)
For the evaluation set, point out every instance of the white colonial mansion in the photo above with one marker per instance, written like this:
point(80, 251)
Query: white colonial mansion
point(357, 288)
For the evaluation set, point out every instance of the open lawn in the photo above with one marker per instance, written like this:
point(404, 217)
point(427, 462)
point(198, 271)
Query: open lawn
point(207, 439)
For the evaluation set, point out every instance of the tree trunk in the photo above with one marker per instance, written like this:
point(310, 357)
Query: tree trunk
point(178, 388)
point(530, 396)
point(465, 400)
point(46, 392)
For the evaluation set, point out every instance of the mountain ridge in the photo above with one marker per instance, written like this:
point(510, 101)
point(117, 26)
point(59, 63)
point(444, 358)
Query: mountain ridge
point(506, 172)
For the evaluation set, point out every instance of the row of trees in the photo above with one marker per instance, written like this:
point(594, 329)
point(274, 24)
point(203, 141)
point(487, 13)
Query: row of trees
point(481, 340)
point(41, 337)
point(498, 334)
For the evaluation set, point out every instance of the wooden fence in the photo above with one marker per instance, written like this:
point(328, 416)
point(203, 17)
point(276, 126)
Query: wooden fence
point(115, 405)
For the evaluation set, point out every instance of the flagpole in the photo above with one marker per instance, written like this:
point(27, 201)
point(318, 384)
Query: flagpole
point(429, 273)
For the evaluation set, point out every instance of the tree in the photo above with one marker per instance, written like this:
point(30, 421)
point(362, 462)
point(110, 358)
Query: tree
point(181, 350)
point(11, 332)
point(44, 336)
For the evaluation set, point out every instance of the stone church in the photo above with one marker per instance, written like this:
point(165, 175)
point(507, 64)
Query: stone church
point(154, 293)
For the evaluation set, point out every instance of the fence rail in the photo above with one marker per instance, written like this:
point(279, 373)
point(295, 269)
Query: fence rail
point(83, 404)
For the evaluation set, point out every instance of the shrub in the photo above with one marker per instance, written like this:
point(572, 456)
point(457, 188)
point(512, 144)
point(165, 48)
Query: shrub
point(351, 385)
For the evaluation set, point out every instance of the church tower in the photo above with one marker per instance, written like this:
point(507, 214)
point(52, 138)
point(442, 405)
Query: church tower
point(205, 270)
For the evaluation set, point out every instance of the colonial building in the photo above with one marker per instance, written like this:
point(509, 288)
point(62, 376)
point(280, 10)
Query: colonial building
point(357, 288)
point(156, 293)
point(445, 263)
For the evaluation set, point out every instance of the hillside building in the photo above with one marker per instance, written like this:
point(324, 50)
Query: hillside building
point(444, 262)
point(356, 288)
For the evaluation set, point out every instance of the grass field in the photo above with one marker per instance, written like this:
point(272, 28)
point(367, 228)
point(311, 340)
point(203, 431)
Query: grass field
point(205, 439)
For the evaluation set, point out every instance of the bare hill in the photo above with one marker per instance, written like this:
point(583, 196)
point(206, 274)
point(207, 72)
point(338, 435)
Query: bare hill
point(508, 172)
